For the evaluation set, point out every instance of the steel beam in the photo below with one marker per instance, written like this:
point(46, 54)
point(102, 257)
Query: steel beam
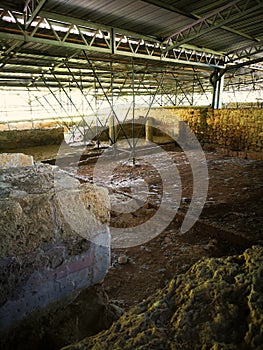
point(243, 64)
point(217, 80)
point(247, 51)
point(225, 14)
point(76, 34)
point(193, 15)
point(32, 9)
point(163, 5)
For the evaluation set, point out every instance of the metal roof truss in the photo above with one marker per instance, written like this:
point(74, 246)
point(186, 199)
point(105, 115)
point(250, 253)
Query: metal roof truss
point(57, 30)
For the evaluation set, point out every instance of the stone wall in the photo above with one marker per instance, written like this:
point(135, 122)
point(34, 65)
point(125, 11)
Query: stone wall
point(44, 258)
point(15, 139)
point(15, 160)
point(237, 132)
point(162, 119)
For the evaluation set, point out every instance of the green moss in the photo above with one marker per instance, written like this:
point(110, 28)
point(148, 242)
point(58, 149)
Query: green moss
point(217, 304)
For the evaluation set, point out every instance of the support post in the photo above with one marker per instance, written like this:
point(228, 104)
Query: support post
point(217, 80)
point(112, 130)
point(149, 129)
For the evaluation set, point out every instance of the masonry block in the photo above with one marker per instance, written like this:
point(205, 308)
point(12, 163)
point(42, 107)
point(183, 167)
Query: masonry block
point(44, 258)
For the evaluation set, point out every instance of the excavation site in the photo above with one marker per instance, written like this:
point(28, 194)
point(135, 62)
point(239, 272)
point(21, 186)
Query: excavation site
point(131, 175)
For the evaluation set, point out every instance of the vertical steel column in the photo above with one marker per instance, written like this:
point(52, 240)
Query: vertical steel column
point(217, 80)
point(96, 114)
point(193, 91)
point(133, 116)
point(176, 93)
point(112, 127)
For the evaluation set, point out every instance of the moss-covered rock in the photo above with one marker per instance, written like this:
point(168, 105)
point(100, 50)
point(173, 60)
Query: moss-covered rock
point(217, 304)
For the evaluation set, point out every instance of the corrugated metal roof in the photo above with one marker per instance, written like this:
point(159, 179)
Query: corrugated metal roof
point(200, 7)
point(231, 41)
point(149, 19)
point(252, 25)
point(136, 16)
point(144, 17)
point(157, 19)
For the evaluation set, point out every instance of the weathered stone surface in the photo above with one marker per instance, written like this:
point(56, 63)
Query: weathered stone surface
point(15, 160)
point(217, 304)
point(122, 259)
point(15, 139)
point(239, 131)
point(236, 132)
point(40, 204)
point(43, 257)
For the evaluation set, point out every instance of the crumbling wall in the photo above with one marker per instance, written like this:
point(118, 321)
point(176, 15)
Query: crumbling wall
point(43, 257)
point(237, 132)
point(15, 139)
point(240, 130)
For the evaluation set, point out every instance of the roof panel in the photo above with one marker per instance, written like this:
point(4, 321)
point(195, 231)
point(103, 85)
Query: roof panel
point(157, 18)
point(229, 41)
point(251, 25)
point(137, 16)
point(148, 19)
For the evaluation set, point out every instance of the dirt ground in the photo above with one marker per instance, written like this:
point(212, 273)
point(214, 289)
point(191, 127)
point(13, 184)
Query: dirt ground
point(231, 220)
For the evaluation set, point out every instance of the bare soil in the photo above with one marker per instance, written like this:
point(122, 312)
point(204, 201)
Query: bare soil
point(230, 221)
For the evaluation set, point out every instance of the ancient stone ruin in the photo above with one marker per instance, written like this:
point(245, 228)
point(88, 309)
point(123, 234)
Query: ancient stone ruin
point(44, 260)
point(216, 304)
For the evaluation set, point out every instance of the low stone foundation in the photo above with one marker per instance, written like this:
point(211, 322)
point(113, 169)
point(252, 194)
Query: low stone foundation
point(235, 132)
point(43, 258)
point(15, 139)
